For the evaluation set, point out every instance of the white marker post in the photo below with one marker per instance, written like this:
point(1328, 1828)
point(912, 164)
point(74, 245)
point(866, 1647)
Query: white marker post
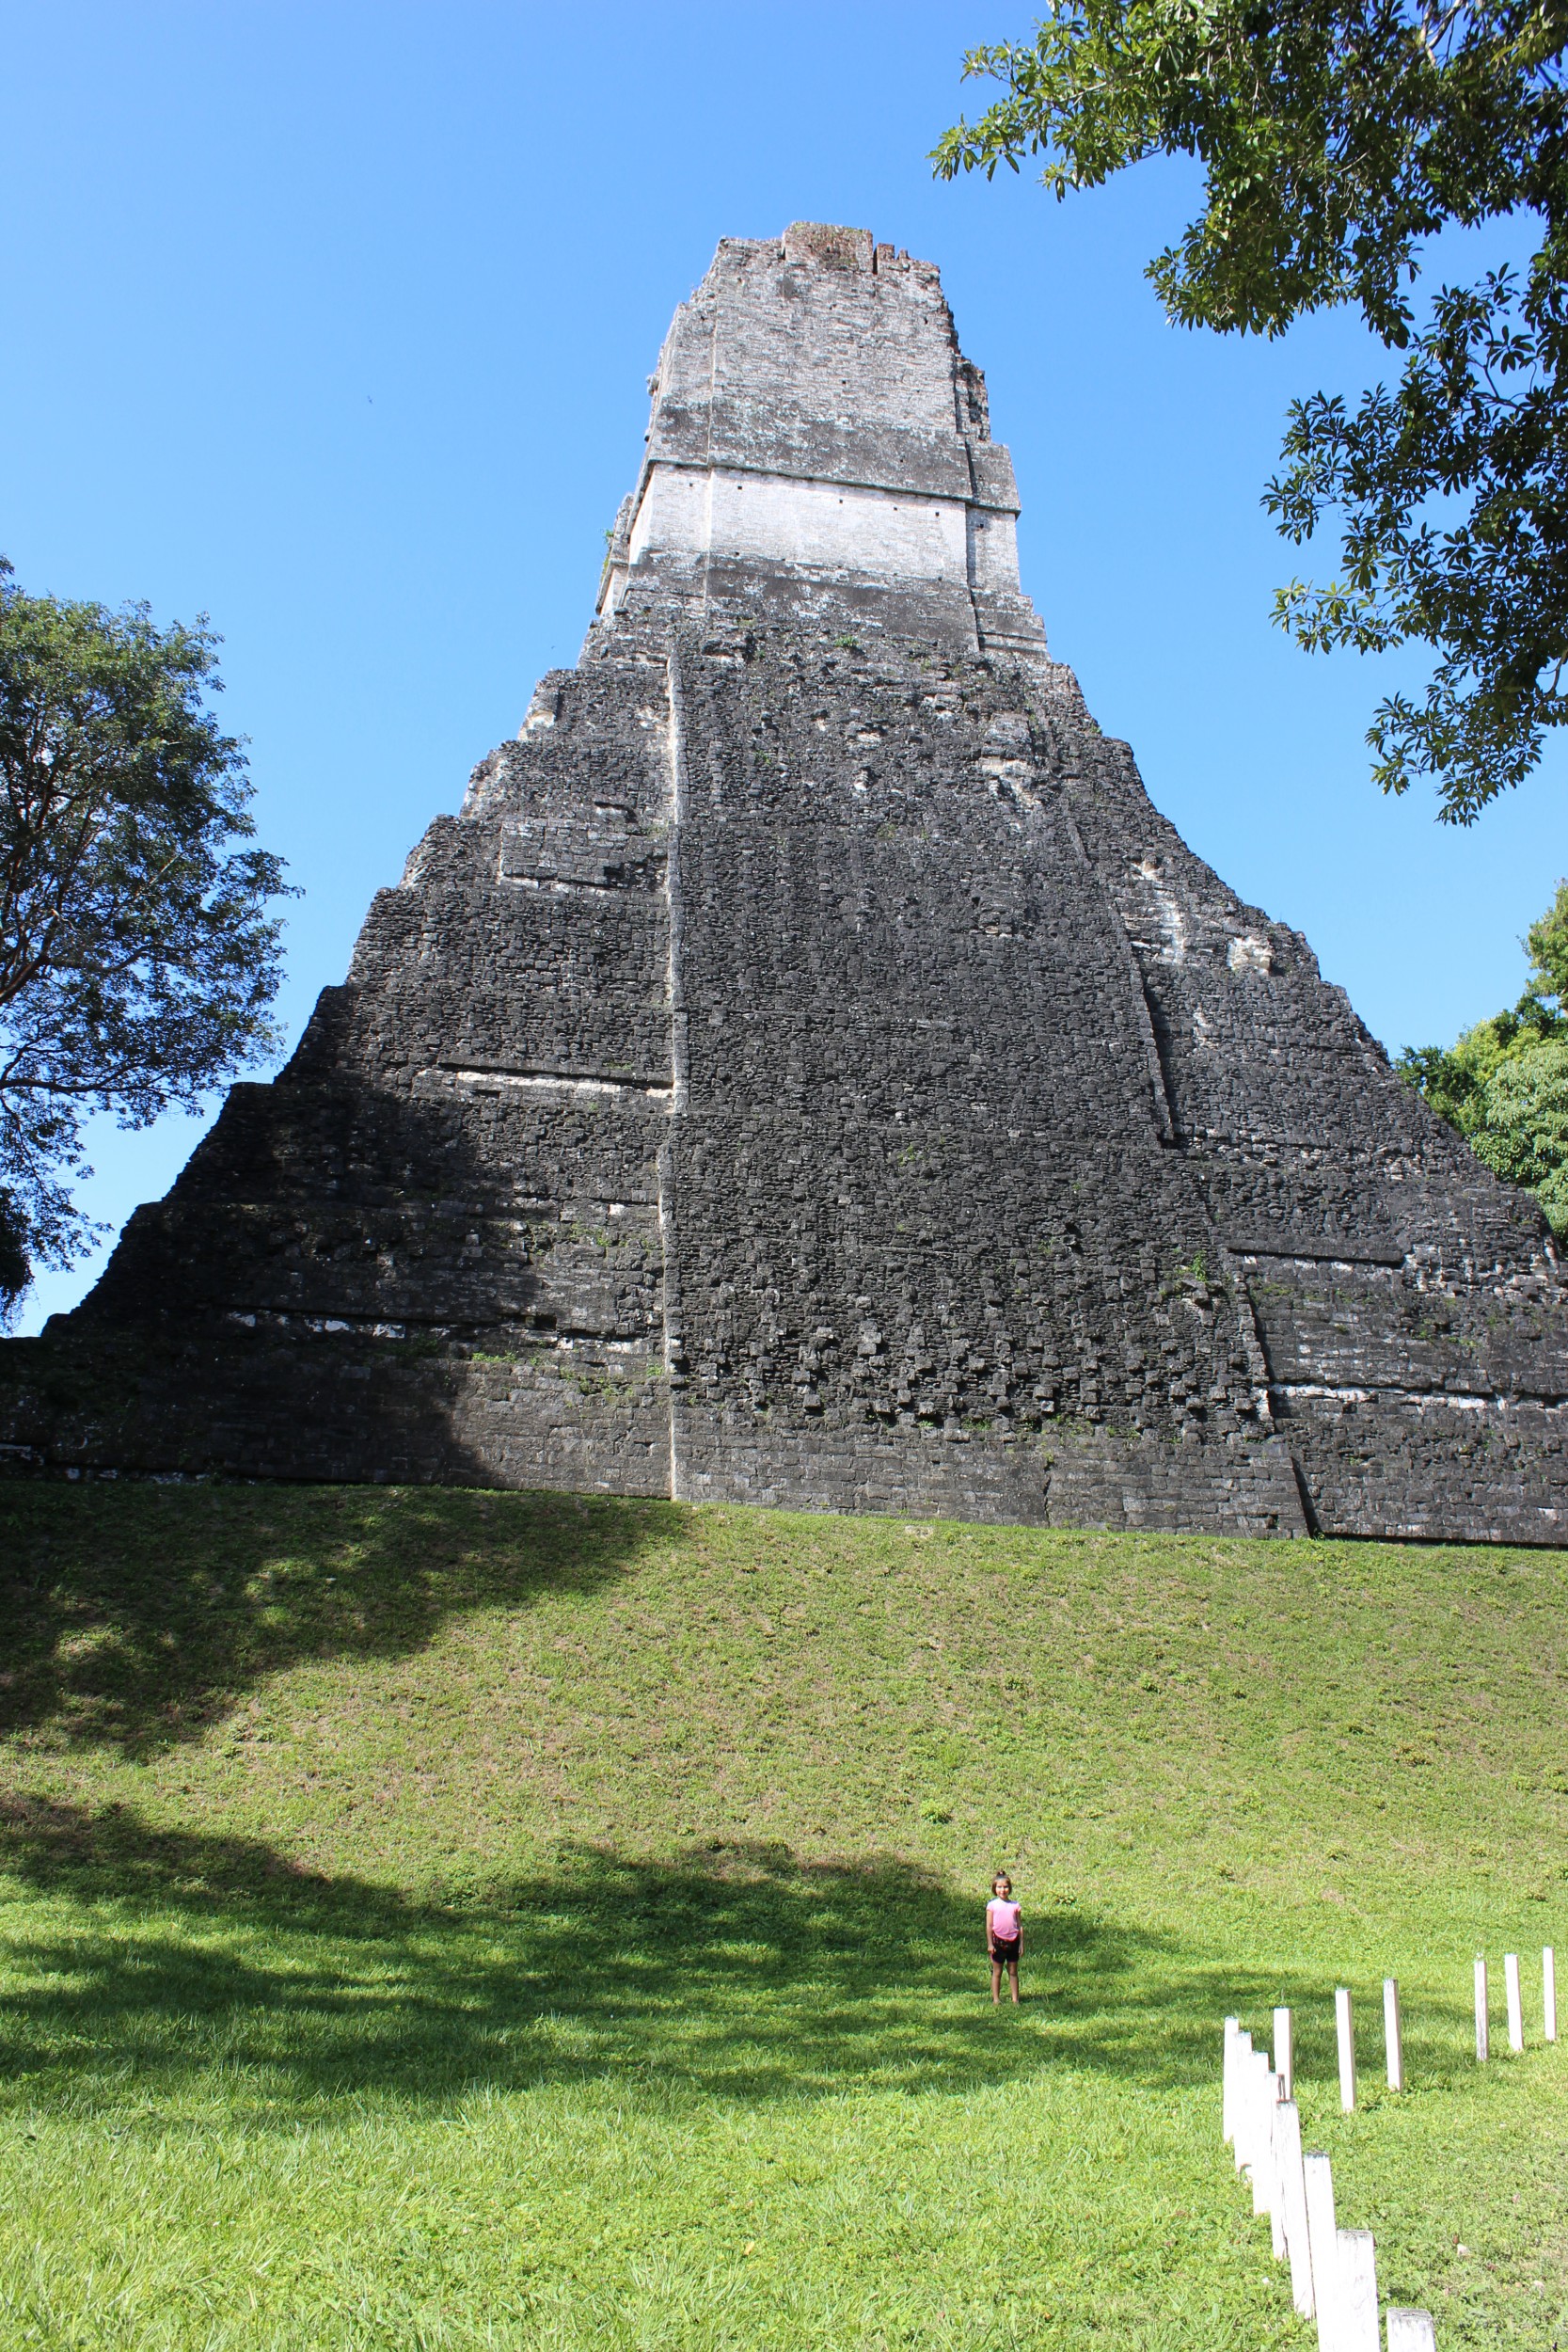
point(1276, 2170)
point(1549, 1994)
point(1241, 2098)
point(1323, 2240)
point(1358, 2325)
point(1228, 2082)
point(1293, 2199)
point(1260, 2131)
point(1483, 2036)
point(1285, 2052)
point(1346, 2026)
point(1410, 2330)
point(1393, 2036)
point(1515, 2005)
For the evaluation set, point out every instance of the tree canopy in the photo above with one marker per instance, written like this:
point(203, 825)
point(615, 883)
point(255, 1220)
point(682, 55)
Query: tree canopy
point(138, 958)
point(1504, 1083)
point(1337, 137)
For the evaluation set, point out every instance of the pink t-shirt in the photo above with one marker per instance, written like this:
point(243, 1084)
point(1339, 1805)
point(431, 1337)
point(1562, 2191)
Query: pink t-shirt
point(1003, 1919)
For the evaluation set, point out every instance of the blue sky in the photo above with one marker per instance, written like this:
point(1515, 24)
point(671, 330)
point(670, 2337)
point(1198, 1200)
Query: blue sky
point(333, 322)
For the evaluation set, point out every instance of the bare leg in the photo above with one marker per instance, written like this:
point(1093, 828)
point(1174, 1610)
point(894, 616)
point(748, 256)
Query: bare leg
point(995, 1982)
point(1012, 1976)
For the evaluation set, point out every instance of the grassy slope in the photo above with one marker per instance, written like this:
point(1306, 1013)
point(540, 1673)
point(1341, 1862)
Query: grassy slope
point(457, 1920)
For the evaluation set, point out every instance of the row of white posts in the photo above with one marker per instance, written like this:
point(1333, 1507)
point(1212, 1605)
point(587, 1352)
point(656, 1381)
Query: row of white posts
point(1333, 2271)
point(1393, 2036)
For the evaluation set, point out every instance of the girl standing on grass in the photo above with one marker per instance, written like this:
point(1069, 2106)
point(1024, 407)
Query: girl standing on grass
point(1003, 1934)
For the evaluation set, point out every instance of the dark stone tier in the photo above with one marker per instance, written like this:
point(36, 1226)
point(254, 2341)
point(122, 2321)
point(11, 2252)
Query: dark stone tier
point(809, 1072)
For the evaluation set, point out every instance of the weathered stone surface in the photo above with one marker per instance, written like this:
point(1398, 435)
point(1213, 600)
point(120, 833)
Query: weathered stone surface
point(809, 1072)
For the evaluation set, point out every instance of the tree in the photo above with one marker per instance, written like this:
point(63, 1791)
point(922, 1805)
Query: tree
point(1335, 137)
point(137, 959)
point(1526, 1135)
point(1504, 1083)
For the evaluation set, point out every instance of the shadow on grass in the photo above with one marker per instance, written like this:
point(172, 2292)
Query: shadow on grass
point(134, 1615)
point(735, 1972)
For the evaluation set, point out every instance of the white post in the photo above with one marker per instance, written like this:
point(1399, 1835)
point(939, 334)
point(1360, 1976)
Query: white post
point(1276, 2171)
point(1241, 2109)
point(1484, 2036)
point(1410, 2330)
point(1228, 2081)
point(1346, 2026)
point(1293, 2199)
point(1549, 1994)
point(1323, 2241)
point(1392, 2037)
point(1285, 2051)
point(1515, 2005)
point(1359, 2330)
point(1261, 2135)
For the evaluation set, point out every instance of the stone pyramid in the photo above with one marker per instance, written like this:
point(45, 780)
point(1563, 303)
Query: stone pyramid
point(809, 1072)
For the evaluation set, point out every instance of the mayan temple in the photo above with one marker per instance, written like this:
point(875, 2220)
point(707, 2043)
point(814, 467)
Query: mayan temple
point(809, 1072)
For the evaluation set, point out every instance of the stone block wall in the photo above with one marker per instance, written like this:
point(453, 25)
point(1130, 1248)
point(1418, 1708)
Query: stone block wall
point(809, 1070)
point(815, 1076)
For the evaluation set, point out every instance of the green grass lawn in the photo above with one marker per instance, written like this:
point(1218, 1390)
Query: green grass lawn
point(434, 1919)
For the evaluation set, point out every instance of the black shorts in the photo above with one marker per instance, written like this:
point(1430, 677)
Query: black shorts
point(1006, 1952)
